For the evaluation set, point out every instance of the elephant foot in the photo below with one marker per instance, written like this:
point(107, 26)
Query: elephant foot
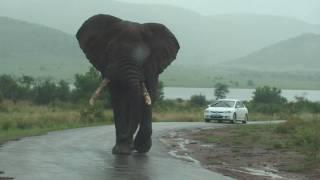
point(142, 144)
point(122, 149)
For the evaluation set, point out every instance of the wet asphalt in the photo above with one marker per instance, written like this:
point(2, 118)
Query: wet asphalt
point(86, 154)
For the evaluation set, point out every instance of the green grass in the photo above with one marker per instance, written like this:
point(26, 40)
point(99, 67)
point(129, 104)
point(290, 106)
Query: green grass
point(299, 134)
point(25, 119)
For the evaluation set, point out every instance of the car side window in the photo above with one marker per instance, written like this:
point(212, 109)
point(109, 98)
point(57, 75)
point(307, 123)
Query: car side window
point(239, 105)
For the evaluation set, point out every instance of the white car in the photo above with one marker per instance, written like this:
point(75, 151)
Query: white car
point(226, 110)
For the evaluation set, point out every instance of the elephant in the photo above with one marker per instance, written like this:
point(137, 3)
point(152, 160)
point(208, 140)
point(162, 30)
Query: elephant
point(130, 57)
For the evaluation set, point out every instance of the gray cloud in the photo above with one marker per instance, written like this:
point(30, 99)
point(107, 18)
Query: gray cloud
point(307, 10)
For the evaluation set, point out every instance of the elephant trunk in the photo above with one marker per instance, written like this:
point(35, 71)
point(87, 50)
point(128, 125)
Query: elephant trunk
point(133, 78)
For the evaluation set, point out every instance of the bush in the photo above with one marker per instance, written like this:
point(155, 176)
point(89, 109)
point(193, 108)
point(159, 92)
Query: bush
point(268, 95)
point(9, 88)
point(6, 125)
point(1, 98)
point(45, 92)
point(198, 100)
point(86, 84)
point(63, 91)
point(304, 135)
point(308, 139)
point(92, 114)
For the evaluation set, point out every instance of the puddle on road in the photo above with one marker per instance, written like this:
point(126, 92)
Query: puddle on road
point(268, 172)
point(180, 151)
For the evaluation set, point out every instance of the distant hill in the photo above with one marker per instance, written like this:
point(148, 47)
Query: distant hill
point(204, 40)
point(37, 50)
point(50, 49)
point(298, 53)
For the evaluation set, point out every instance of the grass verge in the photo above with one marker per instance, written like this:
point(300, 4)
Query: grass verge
point(298, 135)
point(25, 119)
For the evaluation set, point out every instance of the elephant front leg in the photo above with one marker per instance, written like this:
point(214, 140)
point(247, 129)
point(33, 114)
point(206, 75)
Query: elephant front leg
point(143, 141)
point(124, 127)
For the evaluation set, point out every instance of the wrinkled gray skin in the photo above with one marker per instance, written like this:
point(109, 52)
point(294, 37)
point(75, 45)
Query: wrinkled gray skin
point(129, 54)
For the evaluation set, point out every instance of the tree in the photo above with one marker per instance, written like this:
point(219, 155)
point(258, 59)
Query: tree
point(268, 95)
point(26, 81)
point(250, 83)
point(86, 84)
point(45, 92)
point(9, 88)
point(198, 100)
point(63, 91)
point(221, 90)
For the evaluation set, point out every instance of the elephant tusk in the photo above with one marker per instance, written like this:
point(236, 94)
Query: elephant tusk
point(146, 95)
point(97, 93)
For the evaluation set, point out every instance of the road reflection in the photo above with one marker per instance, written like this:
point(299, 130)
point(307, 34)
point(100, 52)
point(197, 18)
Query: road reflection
point(134, 167)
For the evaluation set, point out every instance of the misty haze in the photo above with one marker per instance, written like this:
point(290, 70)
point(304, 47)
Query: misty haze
point(262, 54)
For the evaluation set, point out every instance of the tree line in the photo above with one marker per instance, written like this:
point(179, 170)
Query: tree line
point(266, 99)
point(46, 91)
point(43, 92)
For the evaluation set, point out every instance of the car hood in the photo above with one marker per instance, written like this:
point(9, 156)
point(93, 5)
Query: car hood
point(222, 109)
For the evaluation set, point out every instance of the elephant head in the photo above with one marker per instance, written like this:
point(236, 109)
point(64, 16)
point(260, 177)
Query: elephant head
point(130, 57)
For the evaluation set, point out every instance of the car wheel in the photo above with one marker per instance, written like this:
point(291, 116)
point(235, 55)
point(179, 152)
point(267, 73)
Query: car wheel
point(245, 119)
point(234, 118)
point(219, 121)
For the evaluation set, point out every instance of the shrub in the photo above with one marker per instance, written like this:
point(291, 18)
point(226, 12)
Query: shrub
point(45, 92)
point(92, 114)
point(304, 135)
point(86, 84)
point(1, 98)
point(198, 100)
point(307, 137)
point(268, 95)
point(6, 125)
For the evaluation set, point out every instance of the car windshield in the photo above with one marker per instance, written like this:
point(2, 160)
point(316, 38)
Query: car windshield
point(223, 104)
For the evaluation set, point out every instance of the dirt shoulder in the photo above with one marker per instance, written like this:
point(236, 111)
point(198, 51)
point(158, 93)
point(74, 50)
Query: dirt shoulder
point(248, 152)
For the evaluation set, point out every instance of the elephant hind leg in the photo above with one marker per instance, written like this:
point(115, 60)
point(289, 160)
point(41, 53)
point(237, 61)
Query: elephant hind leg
point(143, 141)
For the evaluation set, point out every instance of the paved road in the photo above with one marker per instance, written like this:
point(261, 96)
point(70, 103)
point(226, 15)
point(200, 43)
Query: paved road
point(86, 154)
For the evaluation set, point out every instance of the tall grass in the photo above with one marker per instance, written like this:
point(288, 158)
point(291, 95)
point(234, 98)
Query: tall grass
point(24, 118)
point(303, 135)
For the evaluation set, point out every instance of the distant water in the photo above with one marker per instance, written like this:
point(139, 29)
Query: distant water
point(241, 94)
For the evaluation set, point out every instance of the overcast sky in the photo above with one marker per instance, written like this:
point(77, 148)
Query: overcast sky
point(307, 10)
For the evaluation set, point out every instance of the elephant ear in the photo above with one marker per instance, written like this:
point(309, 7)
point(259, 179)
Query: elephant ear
point(94, 35)
point(163, 44)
